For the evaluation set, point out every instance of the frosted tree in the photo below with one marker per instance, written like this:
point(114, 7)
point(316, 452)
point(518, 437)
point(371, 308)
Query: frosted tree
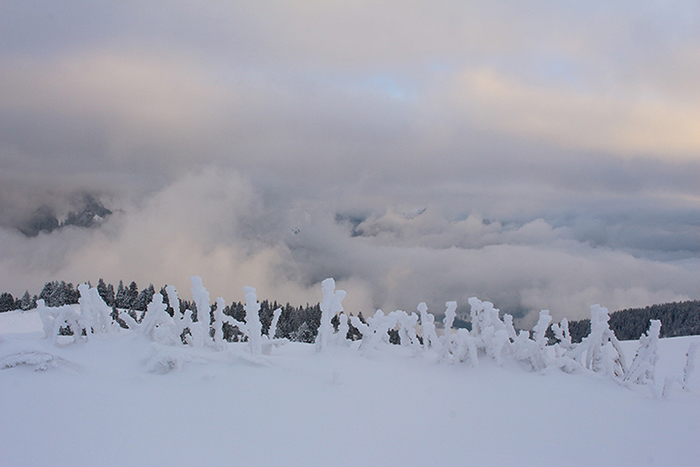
point(53, 319)
point(202, 328)
point(561, 332)
point(563, 347)
point(158, 324)
point(362, 327)
point(95, 315)
point(272, 332)
point(465, 347)
point(427, 321)
point(532, 351)
point(448, 341)
point(186, 324)
point(218, 324)
point(490, 333)
point(689, 368)
point(254, 327)
point(92, 316)
point(541, 328)
point(376, 330)
point(407, 328)
point(641, 370)
point(331, 304)
point(600, 351)
point(343, 329)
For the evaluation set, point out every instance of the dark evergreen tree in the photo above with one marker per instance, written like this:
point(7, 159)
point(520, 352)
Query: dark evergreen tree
point(110, 294)
point(304, 334)
point(47, 292)
point(26, 302)
point(57, 294)
point(266, 313)
point(579, 329)
point(166, 300)
point(7, 302)
point(132, 293)
point(144, 298)
point(106, 292)
point(120, 299)
point(71, 294)
point(310, 320)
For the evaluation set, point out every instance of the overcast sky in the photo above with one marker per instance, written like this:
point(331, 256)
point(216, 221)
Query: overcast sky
point(540, 155)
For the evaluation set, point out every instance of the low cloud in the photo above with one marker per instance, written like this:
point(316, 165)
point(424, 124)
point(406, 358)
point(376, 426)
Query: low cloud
point(216, 224)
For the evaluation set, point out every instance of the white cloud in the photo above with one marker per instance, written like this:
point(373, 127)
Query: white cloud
point(575, 119)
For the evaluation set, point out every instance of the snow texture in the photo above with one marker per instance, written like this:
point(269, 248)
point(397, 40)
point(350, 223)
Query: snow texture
point(107, 393)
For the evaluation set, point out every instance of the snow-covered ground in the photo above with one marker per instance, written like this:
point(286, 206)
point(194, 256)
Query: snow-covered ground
point(120, 399)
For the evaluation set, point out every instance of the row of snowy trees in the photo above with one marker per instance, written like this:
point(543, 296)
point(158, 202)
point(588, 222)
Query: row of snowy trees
point(301, 323)
point(491, 336)
point(297, 323)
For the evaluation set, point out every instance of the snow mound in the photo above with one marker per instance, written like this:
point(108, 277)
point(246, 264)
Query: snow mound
point(39, 361)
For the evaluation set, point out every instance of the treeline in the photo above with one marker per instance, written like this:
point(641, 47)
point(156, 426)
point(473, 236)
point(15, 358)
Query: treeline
point(301, 323)
point(296, 323)
point(677, 319)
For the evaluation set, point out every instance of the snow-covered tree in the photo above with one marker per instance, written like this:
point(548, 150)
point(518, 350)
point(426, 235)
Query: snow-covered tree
point(331, 304)
point(641, 370)
point(427, 321)
point(600, 351)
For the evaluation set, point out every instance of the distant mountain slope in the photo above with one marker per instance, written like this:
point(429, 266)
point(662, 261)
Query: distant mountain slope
point(88, 213)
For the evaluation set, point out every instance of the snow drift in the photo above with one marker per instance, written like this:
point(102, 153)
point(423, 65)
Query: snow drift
point(164, 389)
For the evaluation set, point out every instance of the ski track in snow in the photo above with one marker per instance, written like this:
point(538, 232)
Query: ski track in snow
point(123, 400)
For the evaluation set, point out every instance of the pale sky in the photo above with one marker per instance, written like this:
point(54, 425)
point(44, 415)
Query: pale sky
point(540, 155)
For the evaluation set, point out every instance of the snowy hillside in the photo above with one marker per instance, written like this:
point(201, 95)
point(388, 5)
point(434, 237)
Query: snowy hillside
point(128, 397)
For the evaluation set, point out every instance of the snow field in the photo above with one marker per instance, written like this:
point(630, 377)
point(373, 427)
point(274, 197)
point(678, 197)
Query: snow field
point(122, 399)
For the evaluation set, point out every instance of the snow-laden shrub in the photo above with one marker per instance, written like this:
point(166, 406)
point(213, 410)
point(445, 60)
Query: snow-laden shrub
point(252, 307)
point(641, 370)
point(562, 334)
point(200, 330)
point(427, 320)
point(331, 304)
point(92, 315)
point(600, 351)
point(158, 324)
point(378, 326)
point(495, 338)
point(58, 321)
point(490, 336)
point(689, 368)
point(407, 329)
point(376, 330)
point(343, 329)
